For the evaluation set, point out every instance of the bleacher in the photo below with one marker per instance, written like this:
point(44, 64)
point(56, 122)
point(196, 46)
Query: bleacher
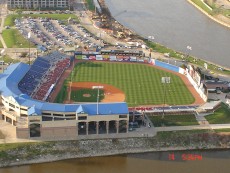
point(34, 76)
point(44, 72)
point(51, 78)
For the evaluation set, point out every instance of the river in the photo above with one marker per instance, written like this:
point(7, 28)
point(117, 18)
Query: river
point(175, 24)
point(158, 162)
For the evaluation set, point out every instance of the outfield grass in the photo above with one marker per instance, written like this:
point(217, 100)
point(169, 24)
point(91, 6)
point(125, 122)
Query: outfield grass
point(220, 116)
point(14, 39)
point(140, 83)
point(78, 95)
point(174, 120)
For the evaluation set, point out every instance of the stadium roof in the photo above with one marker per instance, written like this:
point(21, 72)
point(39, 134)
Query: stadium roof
point(11, 77)
point(9, 88)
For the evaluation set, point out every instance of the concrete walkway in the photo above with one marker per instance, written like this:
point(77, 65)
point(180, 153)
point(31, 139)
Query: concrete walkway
point(3, 14)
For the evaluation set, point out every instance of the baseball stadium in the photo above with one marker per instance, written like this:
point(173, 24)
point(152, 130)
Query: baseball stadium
point(92, 93)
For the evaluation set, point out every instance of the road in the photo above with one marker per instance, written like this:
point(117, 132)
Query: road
point(85, 21)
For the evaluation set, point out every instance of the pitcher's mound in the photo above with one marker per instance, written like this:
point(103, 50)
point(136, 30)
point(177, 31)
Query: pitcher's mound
point(111, 93)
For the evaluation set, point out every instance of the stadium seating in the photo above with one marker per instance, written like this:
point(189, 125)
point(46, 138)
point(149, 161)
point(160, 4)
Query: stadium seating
point(44, 72)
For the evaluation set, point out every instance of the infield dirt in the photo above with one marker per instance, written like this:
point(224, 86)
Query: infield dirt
point(111, 93)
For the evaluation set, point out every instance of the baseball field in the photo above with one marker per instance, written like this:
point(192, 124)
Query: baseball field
point(140, 83)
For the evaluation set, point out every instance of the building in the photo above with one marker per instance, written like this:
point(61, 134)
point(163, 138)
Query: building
point(228, 99)
point(212, 85)
point(43, 120)
point(38, 4)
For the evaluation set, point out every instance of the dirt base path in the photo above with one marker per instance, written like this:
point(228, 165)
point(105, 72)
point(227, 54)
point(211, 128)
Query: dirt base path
point(112, 94)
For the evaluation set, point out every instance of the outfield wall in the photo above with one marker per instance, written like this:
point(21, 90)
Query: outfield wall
point(197, 88)
point(167, 66)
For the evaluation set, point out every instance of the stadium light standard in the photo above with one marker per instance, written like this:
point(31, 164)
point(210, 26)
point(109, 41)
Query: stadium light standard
point(165, 81)
point(1, 53)
point(189, 48)
point(97, 87)
point(71, 82)
point(29, 35)
point(150, 39)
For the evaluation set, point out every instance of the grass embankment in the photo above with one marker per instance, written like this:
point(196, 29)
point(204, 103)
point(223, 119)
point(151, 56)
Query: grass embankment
point(181, 56)
point(31, 150)
point(9, 21)
point(7, 59)
point(220, 116)
point(216, 9)
point(174, 134)
point(221, 130)
point(14, 39)
point(1, 46)
point(202, 5)
point(141, 83)
point(174, 120)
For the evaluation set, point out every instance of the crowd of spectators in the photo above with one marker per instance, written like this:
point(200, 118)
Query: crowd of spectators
point(44, 74)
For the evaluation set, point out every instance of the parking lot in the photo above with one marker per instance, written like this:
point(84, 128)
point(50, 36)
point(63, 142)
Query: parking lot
point(53, 34)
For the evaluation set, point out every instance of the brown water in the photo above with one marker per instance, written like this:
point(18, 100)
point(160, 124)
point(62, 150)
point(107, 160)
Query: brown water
point(159, 162)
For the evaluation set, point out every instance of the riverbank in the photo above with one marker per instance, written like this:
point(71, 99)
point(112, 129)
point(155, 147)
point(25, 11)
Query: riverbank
point(157, 48)
point(29, 153)
point(211, 17)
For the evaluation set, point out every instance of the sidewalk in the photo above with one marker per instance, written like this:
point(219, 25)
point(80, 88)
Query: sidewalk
point(3, 13)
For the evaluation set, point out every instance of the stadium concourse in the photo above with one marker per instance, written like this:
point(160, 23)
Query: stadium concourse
point(25, 88)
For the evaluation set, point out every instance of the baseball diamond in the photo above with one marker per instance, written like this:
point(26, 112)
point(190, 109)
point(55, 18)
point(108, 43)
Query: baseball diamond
point(141, 83)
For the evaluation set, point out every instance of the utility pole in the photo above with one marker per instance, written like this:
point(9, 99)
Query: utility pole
point(29, 35)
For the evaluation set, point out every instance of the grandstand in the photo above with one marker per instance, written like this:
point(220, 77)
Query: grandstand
point(21, 87)
point(43, 74)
